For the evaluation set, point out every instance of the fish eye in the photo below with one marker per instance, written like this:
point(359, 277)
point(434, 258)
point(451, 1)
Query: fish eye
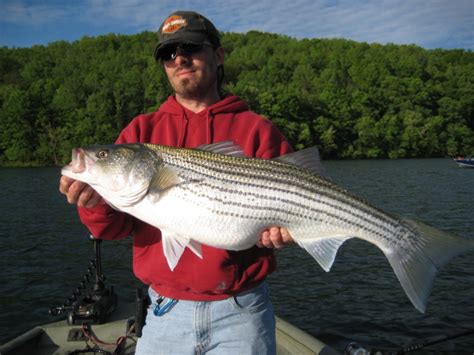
point(101, 154)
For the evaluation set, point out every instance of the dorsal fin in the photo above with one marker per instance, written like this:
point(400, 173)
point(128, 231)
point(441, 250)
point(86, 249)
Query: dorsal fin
point(224, 147)
point(307, 159)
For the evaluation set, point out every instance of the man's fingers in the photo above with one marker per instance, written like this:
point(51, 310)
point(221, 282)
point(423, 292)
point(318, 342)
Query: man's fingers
point(64, 184)
point(276, 237)
point(85, 196)
point(74, 192)
point(285, 235)
point(78, 193)
point(265, 241)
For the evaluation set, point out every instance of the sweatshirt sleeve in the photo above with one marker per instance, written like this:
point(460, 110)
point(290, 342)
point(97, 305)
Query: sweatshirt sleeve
point(106, 223)
point(272, 142)
point(102, 220)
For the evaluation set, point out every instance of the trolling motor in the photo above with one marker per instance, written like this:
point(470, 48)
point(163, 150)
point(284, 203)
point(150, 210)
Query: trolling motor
point(100, 301)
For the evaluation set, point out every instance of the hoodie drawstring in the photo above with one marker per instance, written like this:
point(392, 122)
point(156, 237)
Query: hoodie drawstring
point(209, 133)
point(183, 128)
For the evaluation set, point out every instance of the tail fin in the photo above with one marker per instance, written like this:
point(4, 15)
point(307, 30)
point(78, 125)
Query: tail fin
point(416, 267)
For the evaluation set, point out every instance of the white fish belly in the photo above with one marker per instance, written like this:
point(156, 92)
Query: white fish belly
point(207, 221)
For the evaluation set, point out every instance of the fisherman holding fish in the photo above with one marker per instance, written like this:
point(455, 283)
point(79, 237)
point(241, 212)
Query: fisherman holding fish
point(219, 302)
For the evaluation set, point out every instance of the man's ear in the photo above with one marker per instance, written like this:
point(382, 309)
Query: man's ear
point(220, 54)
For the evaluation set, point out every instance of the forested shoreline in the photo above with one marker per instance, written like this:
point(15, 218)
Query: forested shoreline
point(351, 99)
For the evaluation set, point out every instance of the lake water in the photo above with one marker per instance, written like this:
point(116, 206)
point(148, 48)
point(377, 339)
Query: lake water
point(44, 252)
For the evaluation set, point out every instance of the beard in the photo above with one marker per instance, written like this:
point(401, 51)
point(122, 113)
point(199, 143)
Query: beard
point(195, 87)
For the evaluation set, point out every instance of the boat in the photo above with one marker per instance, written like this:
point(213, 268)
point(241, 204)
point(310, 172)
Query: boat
point(117, 336)
point(99, 322)
point(464, 162)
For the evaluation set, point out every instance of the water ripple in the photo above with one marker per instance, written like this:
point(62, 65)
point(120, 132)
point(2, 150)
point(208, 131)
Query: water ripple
point(45, 251)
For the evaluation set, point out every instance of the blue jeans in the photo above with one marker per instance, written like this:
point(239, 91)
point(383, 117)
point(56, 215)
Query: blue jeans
point(243, 324)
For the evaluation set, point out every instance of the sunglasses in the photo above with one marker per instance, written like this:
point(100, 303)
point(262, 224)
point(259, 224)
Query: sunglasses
point(170, 52)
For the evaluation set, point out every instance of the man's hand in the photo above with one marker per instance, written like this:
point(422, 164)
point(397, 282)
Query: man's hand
point(78, 193)
point(275, 237)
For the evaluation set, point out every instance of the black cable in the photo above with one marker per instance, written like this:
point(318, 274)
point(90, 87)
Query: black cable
point(354, 348)
point(433, 342)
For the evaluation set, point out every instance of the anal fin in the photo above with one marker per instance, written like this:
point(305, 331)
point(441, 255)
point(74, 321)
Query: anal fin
point(195, 247)
point(323, 248)
point(173, 248)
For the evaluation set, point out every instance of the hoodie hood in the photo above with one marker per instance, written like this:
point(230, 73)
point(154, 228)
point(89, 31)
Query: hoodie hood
point(231, 104)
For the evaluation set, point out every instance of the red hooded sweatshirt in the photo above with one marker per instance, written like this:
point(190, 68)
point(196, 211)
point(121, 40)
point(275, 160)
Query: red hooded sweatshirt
point(220, 273)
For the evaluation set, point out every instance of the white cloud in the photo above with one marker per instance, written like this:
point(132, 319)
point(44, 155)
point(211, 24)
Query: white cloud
point(429, 23)
point(415, 21)
point(146, 15)
point(20, 13)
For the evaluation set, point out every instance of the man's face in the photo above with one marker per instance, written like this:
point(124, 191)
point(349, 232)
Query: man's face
point(194, 76)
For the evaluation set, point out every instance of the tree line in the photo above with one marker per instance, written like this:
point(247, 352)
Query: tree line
point(351, 99)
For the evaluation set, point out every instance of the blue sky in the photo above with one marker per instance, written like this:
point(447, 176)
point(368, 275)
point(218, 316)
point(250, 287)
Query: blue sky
point(427, 23)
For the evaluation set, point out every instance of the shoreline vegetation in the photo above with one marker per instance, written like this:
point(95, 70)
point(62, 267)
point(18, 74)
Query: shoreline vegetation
point(353, 100)
point(39, 165)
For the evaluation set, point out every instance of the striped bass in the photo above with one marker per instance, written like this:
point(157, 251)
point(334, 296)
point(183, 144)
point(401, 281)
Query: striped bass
point(216, 196)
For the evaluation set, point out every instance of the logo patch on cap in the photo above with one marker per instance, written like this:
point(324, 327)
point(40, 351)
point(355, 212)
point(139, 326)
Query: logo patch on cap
point(173, 23)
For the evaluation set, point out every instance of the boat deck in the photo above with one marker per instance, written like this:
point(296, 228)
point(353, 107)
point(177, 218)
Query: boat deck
point(61, 338)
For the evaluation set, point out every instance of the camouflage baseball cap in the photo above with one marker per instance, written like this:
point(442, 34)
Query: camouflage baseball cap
point(186, 27)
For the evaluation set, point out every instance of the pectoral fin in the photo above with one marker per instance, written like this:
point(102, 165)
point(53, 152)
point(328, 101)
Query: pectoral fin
point(163, 180)
point(173, 248)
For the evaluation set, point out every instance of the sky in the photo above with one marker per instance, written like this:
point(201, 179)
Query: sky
point(430, 24)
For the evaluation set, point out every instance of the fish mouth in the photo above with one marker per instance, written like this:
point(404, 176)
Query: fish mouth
point(78, 163)
point(81, 165)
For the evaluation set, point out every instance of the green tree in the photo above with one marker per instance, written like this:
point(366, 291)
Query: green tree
point(15, 128)
point(353, 100)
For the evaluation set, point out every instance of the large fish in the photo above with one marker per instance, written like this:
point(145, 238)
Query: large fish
point(215, 196)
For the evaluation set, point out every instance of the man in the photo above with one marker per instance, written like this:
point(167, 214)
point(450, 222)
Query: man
point(219, 303)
